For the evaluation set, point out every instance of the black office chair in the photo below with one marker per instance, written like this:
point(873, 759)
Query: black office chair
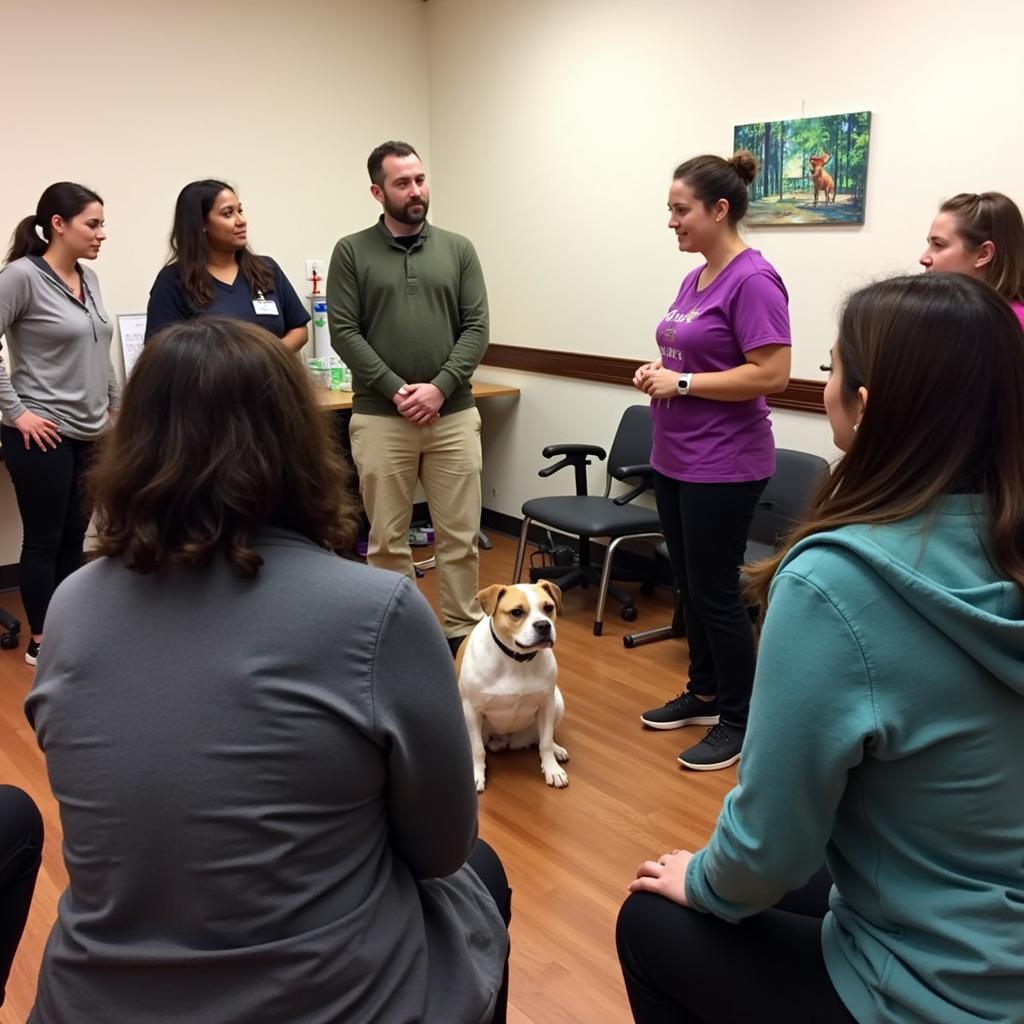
point(787, 496)
point(589, 516)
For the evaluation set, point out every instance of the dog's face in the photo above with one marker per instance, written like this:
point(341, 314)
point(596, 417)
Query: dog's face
point(523, 614)
point(817, 162)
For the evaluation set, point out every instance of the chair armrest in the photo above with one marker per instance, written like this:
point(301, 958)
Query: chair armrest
point(574, 450)
point(643, 470)
point(575, 455)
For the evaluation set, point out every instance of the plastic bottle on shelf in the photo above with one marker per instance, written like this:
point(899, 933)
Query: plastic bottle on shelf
point(341, 378)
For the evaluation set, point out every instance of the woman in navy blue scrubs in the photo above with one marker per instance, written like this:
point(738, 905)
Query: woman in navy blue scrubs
point(213, 272)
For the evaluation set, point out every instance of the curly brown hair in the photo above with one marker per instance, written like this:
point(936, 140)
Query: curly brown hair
point(219, 435)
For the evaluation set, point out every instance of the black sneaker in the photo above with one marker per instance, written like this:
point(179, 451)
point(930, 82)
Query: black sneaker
point(32, 652)
point(686, 709)
point(719, 749)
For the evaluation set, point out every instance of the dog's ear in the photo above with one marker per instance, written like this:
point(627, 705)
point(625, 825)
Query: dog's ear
point(825, 157)
point(555, 593)
point(490, 596)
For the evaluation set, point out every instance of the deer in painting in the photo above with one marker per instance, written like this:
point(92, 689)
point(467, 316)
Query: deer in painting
point(822, 179)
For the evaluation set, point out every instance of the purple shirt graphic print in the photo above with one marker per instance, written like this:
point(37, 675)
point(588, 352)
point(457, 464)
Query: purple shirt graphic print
point(699, 440)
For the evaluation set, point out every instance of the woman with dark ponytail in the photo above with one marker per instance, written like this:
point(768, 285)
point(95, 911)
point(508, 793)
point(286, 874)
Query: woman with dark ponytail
point(56, 399)
point(724, 345)
point(213, 272)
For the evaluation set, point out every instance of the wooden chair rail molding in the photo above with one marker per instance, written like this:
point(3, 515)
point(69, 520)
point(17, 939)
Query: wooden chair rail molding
point(802, 395)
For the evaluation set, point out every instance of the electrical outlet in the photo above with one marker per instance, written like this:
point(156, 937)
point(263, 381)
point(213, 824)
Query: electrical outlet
point(318, 267)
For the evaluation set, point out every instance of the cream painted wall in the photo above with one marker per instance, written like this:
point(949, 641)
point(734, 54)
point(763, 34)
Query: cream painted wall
point(135, 99)
point(555, 126)
point(550, 129)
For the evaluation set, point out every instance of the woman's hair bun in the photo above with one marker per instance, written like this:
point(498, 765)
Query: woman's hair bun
point(746, 165)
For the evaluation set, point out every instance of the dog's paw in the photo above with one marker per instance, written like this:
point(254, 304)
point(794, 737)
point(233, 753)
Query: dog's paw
point(497, 742)
point(478, 778)
point(555, 776)
point(561, 754)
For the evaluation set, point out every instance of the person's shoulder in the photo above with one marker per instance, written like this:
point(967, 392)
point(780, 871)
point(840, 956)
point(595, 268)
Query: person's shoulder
point(839, 556)
point(90, 275)
point(22, 269)
point(273, 266)
point(80, 589)
point(168, 277)
point(362, 237)
point(750, 268)
point(322, 568)
point(452, 238)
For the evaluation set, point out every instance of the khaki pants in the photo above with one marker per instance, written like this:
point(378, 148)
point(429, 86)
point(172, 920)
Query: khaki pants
point(390, 455)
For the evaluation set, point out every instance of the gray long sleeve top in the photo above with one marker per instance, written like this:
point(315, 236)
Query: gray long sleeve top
point(267, 798)
point(61, 346)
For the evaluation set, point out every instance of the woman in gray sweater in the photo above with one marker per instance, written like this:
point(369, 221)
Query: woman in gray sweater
point(57, 397)
point(264, 776)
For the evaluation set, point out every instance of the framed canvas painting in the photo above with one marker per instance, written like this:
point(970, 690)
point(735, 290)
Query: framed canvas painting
point(812, 170)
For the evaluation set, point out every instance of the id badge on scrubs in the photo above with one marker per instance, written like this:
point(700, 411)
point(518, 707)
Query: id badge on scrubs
point(265, 307)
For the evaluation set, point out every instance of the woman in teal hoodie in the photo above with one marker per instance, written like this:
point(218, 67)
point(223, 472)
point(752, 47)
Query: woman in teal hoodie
point(886, 733)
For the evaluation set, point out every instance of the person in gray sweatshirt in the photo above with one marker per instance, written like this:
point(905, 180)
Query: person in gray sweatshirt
point(258, 748)
point(56, 399)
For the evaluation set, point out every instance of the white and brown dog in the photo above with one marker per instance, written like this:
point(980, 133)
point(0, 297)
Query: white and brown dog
point(508, 677)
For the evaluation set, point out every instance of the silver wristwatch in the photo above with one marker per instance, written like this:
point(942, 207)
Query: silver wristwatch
point(683, 384)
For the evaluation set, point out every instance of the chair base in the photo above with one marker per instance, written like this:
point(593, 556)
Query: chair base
point(584, 575)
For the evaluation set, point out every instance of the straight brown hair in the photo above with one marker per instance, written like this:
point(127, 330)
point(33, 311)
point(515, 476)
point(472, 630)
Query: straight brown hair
point(190, 250)
point(942, 358)
point(219, 436)
point(992, 217)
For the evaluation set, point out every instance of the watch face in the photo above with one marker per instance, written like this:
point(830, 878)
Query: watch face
point(683, 385)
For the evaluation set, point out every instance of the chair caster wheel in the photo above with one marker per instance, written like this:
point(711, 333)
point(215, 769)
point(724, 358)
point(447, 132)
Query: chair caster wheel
point(628, 613)
point(9, 641)
point(598, 628)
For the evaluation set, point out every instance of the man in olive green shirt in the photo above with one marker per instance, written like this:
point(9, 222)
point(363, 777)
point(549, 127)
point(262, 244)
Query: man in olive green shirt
point(407, 308)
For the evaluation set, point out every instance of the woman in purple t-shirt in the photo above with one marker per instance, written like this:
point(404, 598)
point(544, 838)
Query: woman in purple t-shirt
point(724, 344)
point(980, 234)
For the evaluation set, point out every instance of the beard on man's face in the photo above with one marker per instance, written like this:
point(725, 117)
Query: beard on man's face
point(412, 212)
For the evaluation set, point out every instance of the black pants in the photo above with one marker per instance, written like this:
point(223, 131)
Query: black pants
point(21, 851)
point(706, 529)
point(54, 515)
point(484, 861)
point(684, 967)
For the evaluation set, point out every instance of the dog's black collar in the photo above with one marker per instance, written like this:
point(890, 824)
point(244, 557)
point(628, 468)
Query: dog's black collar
point(508, 650)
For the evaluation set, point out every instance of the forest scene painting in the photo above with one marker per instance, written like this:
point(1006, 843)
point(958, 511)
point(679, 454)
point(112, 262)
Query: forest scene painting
point(813, 170)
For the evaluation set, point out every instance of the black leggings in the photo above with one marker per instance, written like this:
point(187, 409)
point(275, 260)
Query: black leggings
point(484, 861)
point(54, 515)
point(684, 967)
point(705, 528)
point(21, 851)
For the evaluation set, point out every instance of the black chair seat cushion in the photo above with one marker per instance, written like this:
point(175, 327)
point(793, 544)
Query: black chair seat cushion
point(591, 516)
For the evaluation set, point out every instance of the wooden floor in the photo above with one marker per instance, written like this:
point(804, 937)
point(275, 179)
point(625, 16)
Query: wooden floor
point(569, 853)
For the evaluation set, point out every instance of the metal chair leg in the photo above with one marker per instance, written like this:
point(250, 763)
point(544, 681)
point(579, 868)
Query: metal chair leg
point(602, 595)
point(521, 550)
